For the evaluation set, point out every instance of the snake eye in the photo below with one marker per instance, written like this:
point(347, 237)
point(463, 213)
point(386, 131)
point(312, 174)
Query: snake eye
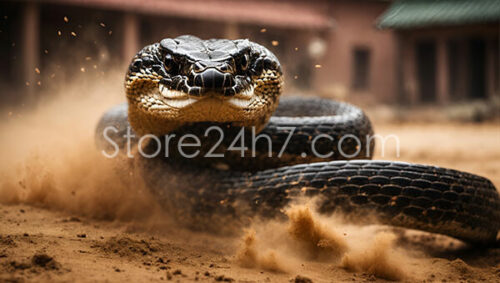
point(168, 62)
point(244, 62)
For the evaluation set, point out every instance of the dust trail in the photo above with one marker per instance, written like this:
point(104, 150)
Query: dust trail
point(314, 239)
point(308, 237)
point(282, 246)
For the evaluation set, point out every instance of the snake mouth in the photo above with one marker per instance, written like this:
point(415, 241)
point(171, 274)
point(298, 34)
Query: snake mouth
point(242, 99)
point(180, 99)
point(176, 98)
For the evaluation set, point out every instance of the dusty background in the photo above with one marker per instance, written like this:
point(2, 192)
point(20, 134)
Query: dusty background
point(66, 216)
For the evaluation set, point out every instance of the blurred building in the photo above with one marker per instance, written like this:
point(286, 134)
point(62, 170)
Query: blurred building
point(447, 50)
point(369, 50)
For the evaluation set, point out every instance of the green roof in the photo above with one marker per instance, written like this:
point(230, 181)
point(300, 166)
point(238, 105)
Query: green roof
point(405, 14)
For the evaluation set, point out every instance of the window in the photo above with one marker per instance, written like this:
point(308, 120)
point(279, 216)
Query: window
point(361, 68)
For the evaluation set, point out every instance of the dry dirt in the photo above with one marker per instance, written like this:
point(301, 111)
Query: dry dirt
point(65, 216)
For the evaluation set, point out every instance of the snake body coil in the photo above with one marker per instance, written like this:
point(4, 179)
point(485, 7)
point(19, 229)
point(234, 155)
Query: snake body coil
point(187, 86)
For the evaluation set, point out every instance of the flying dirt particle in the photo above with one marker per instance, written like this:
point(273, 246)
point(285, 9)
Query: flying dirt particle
point(316, 240)
point(102, 25)
point(37, 70)
point(66, 19)
point(73, 33)
point(317, 66)
point(263, 30)
point(275, 43)
point(376, 260)
point(249, 256)
point(59, 33)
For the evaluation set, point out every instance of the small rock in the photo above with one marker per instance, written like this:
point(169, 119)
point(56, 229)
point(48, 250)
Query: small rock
point(19, 265)
point(45, 261)
point(223, 278)
point(301, 279)
point(81, 235)
point(72, 219)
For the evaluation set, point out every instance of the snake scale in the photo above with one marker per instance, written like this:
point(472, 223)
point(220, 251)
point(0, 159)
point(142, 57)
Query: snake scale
point(220, 91)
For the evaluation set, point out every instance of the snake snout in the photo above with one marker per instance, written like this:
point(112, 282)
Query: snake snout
point(212, 80)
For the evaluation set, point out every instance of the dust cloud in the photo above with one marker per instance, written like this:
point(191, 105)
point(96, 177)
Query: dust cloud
point(50, 160)
point(250, 255)
point(379, 259)
point(308, 237)
point(313, 237)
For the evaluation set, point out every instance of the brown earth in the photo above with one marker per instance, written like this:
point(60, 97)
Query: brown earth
point(64, 215)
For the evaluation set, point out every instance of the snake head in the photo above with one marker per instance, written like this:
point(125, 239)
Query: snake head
point(186, 79)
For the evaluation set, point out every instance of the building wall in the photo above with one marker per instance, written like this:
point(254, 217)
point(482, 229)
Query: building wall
point(355, 27)
point(453, 72)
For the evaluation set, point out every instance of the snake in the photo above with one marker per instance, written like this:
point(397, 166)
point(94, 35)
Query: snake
point(231, 145)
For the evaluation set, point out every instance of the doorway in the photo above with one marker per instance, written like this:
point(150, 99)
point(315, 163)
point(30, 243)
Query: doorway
point(477, 68)
point(426, 70)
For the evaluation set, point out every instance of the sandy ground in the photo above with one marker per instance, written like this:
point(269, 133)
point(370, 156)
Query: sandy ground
point(64, 216)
